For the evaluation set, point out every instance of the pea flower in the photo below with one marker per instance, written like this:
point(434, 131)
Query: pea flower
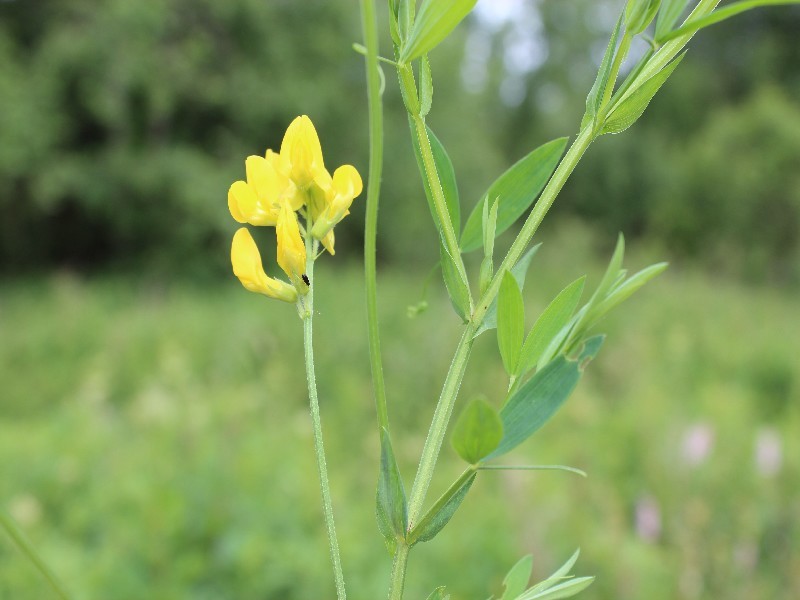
point(345, 186)
point(247, 266)
point(277, 186)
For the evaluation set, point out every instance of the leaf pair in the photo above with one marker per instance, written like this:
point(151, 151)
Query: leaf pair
point(559, 585)
point(434, 22)
point(538, 347)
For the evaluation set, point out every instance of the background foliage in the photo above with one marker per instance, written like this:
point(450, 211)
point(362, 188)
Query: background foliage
point(153, 428)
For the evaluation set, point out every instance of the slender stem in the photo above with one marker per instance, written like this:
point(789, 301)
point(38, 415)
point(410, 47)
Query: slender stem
point(441, 417)
point(439, 202)
point(398, 577)
point(532, 468)
point(369, 26)
point(327, 504)
point(24, 545)
point(562, 172)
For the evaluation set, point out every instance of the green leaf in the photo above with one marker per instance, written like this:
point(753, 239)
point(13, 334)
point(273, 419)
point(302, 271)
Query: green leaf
point(519, 271)
point(597, 92)
point(541, 396)
point(623, 291)
point(510, 322)
point(722, 14)
point(670, 11)
point(569, 588)
point(477, 432)
point(457, 290)
point(516, 581)
point(426, 91)
point(639, 14)
point(392, 509)
point(440, 513)
point(517, 188)
point(439, 594)
point(447, 178)
point(549, 323)
point(631, 108)
point(405, 16)
point(612, 271)
point(434, 22)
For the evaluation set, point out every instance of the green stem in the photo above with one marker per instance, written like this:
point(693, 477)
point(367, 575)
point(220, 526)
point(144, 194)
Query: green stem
point(439, 202)
point(398, 577)
point(327, 504)
point(562, 172)
point(24, 545)
point(369, 26)
point(441, 417)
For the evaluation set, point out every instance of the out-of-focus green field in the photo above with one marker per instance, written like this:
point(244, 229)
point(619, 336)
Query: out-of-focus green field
point(155, 442)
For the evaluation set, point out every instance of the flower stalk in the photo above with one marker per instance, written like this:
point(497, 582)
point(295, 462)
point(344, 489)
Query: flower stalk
point(307, 312)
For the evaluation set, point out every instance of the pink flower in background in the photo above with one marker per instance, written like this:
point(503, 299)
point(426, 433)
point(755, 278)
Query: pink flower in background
point(648, 519)
point(698, 441)
point(768, 452)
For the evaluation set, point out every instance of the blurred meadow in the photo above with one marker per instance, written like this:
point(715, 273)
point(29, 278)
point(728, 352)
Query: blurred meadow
point(154, 435)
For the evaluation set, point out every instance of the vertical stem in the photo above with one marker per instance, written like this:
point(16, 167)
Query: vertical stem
point(24, 545)
point(439, 202)
point(438, 428)
point(327, 504)
point(398, 577)
point(369, 26)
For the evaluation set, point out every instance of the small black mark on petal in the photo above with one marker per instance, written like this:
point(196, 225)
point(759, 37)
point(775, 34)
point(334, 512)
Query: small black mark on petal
point(306, 279)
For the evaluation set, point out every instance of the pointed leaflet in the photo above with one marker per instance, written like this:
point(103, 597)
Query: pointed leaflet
point(628, 112)
point(541, 396)
point(439, 594)
point(549, 323)
point(477, 432)
point(519, 271)
point(567, 589)
point(434, 22)
point(517, 188)
point(623, 291)
point(456, 288)
point(597, 92)
point(721, 14)
point(441, 512)
point(510, 322)
point(639, 14)
point(516, 581)
point(668, 15)
point(391, 496)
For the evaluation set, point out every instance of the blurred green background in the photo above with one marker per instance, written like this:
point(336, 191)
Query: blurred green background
point(154, 438)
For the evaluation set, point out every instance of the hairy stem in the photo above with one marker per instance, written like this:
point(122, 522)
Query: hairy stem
point(398, 577)
point(439, 202)
point(369, 27)
point(327, 504)
point(24, 545)
point(441, 417)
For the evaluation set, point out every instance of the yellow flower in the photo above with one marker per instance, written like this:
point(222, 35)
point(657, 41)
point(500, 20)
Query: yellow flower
point(345, 186)
point(301, 155)
point(257, 201)
point(246, 262)
point(291, 248)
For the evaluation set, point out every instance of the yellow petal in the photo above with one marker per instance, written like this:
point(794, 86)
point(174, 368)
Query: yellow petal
point(246, 263)
point(328, 242)
point(291, 249)
point(347, 181)
point(233, 205)
point(301, 148)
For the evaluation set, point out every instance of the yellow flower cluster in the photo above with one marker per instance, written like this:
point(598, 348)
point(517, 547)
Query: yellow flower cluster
point(278, 186)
